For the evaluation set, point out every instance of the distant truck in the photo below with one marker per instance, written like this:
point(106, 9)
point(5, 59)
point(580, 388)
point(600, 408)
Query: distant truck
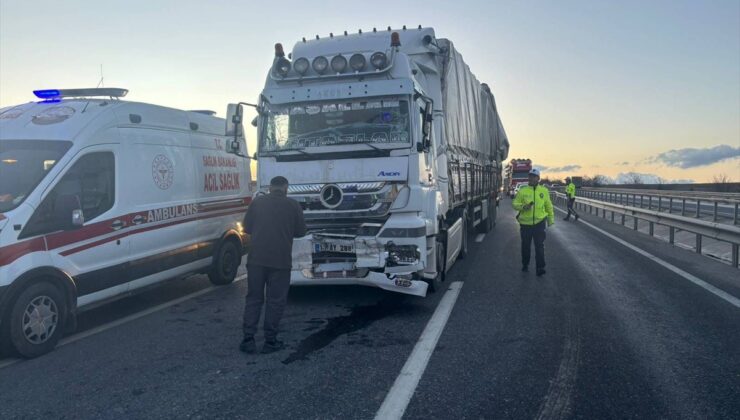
point(516, 172)
point(394, 150)
point(100, 197)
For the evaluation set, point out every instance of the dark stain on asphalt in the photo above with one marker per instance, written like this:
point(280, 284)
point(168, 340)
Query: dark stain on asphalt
point(360, 317)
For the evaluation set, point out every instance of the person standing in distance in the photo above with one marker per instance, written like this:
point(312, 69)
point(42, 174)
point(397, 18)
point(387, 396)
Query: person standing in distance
point(535, 214)
point(273, 221)
point(570, 192)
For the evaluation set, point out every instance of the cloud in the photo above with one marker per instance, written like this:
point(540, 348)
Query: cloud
point(625, 163)
point(692, 158)
point(556, 169)
point(643, 178)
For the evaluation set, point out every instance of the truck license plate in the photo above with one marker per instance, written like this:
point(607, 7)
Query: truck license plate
point(344, 247)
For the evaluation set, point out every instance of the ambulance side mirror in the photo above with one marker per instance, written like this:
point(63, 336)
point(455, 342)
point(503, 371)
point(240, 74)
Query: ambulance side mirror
point(68, 212)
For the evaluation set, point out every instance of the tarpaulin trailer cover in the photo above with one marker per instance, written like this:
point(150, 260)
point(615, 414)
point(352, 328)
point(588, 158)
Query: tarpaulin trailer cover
point(472, 126)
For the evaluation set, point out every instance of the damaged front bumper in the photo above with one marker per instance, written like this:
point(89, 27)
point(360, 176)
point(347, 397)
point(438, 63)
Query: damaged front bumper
point(342, 260)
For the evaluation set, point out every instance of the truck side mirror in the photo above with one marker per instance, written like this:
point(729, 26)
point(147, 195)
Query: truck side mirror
point(234, 126)
point(426, 128)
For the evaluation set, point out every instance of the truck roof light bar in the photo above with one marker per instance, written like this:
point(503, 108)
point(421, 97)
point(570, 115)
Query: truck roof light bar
point(76, 93)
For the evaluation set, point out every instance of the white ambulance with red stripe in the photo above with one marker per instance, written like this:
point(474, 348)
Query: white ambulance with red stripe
point(100, 197)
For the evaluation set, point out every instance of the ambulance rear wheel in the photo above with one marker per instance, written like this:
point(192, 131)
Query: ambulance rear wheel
point(225, 264)
point(36, 321)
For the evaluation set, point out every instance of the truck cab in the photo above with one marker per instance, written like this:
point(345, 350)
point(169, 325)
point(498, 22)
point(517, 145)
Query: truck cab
point(355, 123)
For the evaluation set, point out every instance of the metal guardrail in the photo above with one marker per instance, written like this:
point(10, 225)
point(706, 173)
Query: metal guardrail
point(704, 195)
point(704, 204)
point(701, 228)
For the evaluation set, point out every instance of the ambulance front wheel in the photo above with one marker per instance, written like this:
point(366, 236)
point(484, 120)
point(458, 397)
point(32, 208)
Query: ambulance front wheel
point(226, 263)
point(36, 319)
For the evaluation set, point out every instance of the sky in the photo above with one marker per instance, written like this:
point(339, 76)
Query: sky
point(583, 87)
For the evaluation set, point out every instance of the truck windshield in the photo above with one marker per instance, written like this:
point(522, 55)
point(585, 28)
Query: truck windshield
point(23, 164)
point(297, 126)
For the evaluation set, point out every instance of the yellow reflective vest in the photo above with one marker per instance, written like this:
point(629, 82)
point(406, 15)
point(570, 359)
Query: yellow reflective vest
point(540, 209)
point(570, 190)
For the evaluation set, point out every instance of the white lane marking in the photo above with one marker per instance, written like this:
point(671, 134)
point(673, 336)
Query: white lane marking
point(105, 327)
point(400, 394)
point(690, 277)
point(480, 237)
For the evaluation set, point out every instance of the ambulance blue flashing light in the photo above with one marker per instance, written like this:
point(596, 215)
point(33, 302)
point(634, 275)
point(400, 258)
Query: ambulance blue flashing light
point(78, 93)
point(47, 93)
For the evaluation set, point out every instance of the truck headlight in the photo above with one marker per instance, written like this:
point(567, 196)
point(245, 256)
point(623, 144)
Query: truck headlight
point(338, 63)
point(320, 64)
point(379, 60)
point(402, 254)
point(301, 65)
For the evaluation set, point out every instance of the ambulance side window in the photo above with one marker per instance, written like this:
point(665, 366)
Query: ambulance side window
point(89, 182)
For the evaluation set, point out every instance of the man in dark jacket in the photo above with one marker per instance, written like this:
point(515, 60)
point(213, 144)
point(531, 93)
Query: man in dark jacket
point(272, 220)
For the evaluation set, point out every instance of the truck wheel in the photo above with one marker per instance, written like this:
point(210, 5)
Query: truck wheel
point(486, 225)
point(36, 321)
point(226, 264)
point(435, 284)
point(492, 213)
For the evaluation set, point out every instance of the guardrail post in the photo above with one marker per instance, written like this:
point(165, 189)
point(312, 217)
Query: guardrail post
point(623, 220)
point(716, 204)
point(671, 235)
point(670, 205)
point(683, 207)
point(698, 208)
point(652, 228)
point(650, 202)
point(642, 200)
point(698, 243)
point(660, 203)
point(634, 222)
point(735, 255)
point(612, 217)
point(734, 217)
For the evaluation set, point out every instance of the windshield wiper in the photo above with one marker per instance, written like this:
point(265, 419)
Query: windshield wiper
point(294, 149)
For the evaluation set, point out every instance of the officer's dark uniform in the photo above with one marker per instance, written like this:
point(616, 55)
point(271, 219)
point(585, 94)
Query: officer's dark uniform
point(273, 221)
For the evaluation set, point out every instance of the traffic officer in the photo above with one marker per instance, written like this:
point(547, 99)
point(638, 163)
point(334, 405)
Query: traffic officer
point(570, 192)
point(535, 214)
point(272, 220)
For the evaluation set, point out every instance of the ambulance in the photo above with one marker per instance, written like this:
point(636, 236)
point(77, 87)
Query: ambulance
point(101, 197)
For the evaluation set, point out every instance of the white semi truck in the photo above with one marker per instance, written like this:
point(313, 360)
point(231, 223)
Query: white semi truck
point(392, 147)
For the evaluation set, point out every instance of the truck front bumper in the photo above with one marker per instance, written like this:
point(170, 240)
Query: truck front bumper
point(401, 283)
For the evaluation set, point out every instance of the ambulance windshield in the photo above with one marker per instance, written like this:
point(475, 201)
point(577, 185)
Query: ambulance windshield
point(23, 164)
point(296, 126)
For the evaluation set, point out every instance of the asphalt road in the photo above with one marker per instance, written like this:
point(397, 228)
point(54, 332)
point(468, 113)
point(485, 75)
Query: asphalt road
point(606, 333)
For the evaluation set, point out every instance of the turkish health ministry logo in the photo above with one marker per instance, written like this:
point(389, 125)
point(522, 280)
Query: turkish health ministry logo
point(163, 172)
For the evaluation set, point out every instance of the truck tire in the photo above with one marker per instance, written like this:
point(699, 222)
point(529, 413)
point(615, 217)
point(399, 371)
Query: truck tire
point(486, 225)
point(225, 263)
point(435, 284)
point(36, 319)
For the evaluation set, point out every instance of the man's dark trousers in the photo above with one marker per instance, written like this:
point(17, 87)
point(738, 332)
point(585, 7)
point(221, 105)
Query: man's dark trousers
point(536, 233)
point(571, 210)
point(277, 283)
